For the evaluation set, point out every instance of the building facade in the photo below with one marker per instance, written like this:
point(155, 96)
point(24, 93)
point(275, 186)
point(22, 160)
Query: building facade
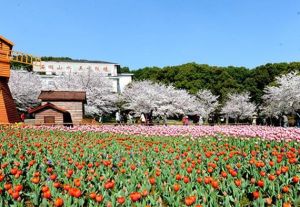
point(51, 69)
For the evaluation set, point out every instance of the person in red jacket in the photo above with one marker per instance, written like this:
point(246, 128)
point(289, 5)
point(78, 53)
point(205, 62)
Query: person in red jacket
point(185, 120)
point(22, 117)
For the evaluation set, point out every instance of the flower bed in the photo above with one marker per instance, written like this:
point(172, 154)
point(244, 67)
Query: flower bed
point(246, 131)
point(144, 166)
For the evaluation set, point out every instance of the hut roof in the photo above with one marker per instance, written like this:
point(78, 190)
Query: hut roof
point(45, 106)
point(63, 96)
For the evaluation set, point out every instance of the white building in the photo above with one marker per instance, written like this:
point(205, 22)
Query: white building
point(51, 69)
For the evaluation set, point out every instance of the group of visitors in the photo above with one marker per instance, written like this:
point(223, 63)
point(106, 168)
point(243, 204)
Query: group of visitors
point(281, 120)
point(123, 118)
point(128, 118)
point(144, 119)
point(148, 119)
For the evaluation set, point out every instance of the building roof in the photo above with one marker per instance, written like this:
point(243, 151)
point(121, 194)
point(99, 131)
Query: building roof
point(46, 106)
point(7, 41)
point(63, 96)
point(81, 61)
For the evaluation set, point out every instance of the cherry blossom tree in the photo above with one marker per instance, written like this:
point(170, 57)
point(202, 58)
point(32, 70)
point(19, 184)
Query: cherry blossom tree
point(101, 99)
point(238, 106)
point(25, 88)
point(207, 102)
point(144, 96)
point(179, 102)
point(141, 97)
point(283, 96)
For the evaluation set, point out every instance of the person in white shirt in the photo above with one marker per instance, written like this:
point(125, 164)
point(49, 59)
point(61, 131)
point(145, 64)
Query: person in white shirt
point(118, 117)
point(200, 120)
point(285, 121)
point(143, 119)
point(130, 121)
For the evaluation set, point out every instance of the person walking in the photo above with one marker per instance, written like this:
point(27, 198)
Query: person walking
point(185, 120)
point(143, 119)
point(118, 118)
point(211, 120)
point(298, 118)
point(275, 121)
point(200, 120)
point(130, 121)
point(254, 120)
point(22, 117)
point(123, 118)
point(100, 118)
point(164, 118)
point(285, 121)
point(150, 118)
point(264, 121)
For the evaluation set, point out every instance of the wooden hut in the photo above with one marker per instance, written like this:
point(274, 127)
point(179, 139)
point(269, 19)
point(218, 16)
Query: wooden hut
point(49, 114)
point(8, 110)
point(60, 107)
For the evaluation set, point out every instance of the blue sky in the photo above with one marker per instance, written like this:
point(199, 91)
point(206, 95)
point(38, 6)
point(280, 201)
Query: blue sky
point(139, 33)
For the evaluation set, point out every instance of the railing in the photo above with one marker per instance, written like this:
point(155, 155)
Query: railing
point(20, 57)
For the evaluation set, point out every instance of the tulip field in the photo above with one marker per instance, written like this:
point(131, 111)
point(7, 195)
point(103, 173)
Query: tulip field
point(149, 166)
